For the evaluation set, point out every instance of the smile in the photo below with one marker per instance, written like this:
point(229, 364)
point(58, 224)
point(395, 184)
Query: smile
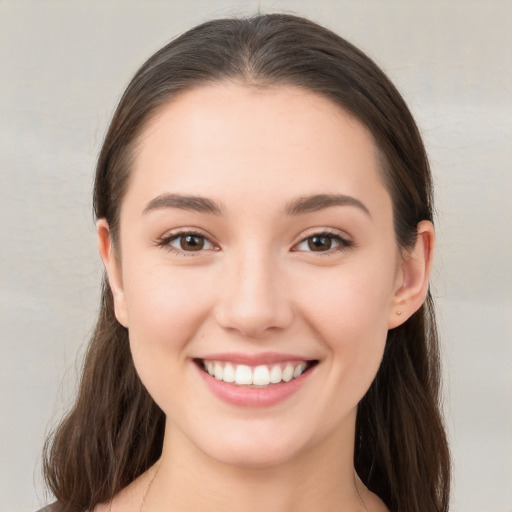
point(254, 376)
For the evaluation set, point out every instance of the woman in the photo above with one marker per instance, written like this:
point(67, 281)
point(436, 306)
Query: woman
point(266, 339)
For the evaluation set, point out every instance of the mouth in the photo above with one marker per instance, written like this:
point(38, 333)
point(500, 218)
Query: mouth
point(260, 376)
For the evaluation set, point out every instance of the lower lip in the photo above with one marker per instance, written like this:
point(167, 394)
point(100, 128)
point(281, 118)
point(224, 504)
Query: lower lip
point(243, 396)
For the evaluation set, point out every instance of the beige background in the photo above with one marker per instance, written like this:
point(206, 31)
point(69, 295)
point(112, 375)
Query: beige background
point(63, 65)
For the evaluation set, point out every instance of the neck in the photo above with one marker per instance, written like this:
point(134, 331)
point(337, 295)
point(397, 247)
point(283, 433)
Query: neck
point(320, 478)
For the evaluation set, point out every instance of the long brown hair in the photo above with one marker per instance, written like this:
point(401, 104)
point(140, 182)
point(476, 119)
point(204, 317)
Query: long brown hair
point(115, 431)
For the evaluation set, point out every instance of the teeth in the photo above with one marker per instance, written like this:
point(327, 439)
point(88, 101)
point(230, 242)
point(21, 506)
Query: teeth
point(218, 371)
point(288, 373)
point(229, 373)
point(243, 375)
point(275, 374)
point(261, 376)
point(299, 370)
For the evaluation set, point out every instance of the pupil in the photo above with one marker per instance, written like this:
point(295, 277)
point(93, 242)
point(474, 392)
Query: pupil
point(192, 242)
point(319, 243)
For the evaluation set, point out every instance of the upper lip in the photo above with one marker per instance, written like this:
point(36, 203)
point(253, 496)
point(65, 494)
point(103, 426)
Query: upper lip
point(264, 358)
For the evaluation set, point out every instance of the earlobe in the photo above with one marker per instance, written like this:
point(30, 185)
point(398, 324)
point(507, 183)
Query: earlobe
point(414, 276)
point(113, 269)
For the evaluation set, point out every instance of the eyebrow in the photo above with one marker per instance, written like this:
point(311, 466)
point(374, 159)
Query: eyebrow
point(317, 202)
point(183, 202)
point(299, 206)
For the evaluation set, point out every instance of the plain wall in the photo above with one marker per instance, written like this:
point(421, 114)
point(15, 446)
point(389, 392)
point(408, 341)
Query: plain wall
point(63, 66)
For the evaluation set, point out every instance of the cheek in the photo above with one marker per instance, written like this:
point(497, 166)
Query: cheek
point(163, 302)
point(165, 311)
point(349, 313)
point(349, 300)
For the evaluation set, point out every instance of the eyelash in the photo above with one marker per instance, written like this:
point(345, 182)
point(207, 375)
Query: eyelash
point(343, 243)
point(166, 241)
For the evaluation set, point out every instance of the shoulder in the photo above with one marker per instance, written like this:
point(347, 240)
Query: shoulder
point(54, 507)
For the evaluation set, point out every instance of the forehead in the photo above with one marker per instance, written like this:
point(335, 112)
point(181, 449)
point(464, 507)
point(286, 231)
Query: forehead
point(230, 139)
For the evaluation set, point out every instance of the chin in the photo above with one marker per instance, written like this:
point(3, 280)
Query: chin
point(252, 458)
point(255, 447)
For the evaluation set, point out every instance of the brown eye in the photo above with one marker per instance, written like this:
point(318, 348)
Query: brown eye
point(319, 243)
point(188, 242)
point(191, 242)
point(323, 243)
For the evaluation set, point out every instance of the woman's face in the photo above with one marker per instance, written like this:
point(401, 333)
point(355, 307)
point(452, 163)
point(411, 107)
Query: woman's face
point(256, 240)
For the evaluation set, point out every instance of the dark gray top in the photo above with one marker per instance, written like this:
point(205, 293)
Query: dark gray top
point(49, 508)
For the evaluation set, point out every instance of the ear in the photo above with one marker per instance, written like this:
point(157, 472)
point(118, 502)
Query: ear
point(413, 277)
point(113, 268)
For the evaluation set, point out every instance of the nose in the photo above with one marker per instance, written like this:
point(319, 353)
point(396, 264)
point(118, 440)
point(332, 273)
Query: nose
point(254, 299)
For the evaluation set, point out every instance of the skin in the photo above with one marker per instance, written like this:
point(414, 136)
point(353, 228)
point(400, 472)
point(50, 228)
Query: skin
point(258, 287)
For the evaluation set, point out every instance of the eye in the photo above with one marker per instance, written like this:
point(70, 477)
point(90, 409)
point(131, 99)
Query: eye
point(186, 242)
point(323, 242)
